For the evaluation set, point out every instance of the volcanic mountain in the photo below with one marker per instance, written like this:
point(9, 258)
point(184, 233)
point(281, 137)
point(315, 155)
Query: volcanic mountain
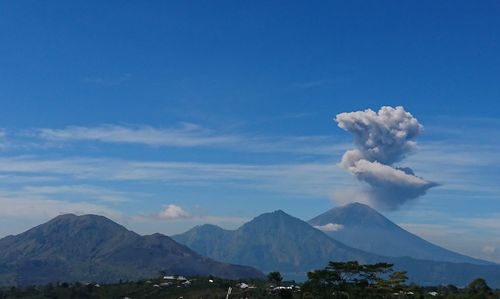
point(271, 241)
point(94, 248)
point(279, 242)
point(359, 226)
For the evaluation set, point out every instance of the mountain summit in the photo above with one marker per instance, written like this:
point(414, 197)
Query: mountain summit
point(270, 242)
point(360, 226)
point(94, 248)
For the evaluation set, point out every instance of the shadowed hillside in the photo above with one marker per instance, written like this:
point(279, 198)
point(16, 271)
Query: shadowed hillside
point(94, 248)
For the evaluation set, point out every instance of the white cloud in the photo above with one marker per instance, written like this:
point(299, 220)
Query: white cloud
point(329, 227)
point(173, 212)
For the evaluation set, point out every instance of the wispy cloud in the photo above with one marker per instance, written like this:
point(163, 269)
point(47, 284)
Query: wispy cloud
point(459, 167)
point(318, 179)
point(5, 143)
point(186, 135)
point(26, 179)
point(21, 206)
point(468, 235)
point(314, 83)
point(89, 191)
point(329, 227)
point(191, 135)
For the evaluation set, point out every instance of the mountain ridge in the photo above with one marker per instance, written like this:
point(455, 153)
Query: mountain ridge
point(94, 248)
point(277, 241)
point(270, 240)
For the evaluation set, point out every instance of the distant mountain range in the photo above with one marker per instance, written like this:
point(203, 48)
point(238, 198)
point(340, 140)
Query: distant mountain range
point(279, 242)
point(359, 226)
point(270, 242)
point(93, 248)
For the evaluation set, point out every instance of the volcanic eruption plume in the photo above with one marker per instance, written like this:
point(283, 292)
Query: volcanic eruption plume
point(383, 139)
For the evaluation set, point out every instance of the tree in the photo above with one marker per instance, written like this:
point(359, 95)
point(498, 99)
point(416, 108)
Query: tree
point(395, 283)
point(371, 272)
point(348, 272)
point(347, 279)
point(275, 277)
point(321, 283)
point(478, 288)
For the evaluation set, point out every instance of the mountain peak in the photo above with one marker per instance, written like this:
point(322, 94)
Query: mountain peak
point(357, 205)
point(81, 222)
point(71, 216)
point(207, 228)
point(277, 213)
point(353, 214)
point(277, 218)
point(71, 233)
point(360, 207)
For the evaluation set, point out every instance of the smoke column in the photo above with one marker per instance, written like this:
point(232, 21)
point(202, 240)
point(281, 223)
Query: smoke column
point(382, 139)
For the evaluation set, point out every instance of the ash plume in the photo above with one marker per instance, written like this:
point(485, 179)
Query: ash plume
point(382, 139)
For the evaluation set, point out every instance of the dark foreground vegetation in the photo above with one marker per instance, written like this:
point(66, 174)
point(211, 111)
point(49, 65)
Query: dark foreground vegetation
point(337, 280)
point(353, 280)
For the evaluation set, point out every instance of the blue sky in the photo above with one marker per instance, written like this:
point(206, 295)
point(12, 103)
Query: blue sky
point(226, 109)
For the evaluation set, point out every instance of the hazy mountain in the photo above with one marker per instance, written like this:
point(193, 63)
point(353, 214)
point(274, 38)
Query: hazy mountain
point(279, 242)
point(272, 241)
point(359, 226)
point(94, 248)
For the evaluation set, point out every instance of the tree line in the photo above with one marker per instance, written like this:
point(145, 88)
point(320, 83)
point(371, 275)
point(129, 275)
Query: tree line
point(338, 280)
point(354, 280)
